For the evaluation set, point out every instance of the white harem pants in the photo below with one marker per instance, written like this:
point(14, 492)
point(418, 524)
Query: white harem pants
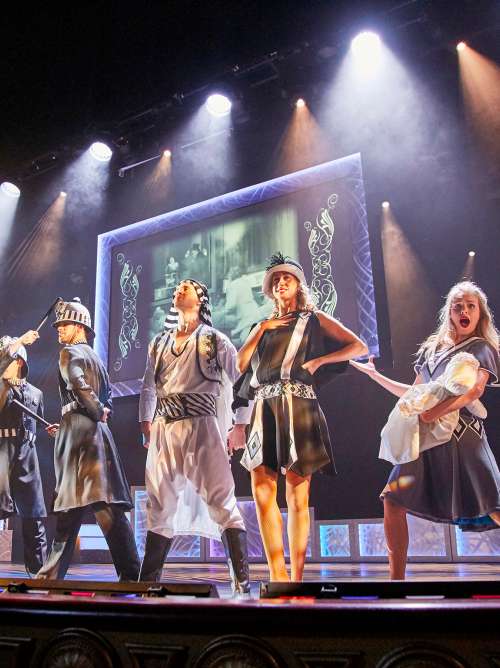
point(189, 481)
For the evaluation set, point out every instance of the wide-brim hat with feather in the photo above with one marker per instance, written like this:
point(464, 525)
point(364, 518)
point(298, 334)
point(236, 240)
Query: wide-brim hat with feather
point(280, 263)
point(75, 312)
point(172, 319)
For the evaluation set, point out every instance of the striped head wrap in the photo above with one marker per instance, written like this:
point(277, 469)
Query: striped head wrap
point(172, 319)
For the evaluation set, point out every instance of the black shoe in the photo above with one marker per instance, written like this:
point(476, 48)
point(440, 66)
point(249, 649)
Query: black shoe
point(235, 546)
point(155, 553)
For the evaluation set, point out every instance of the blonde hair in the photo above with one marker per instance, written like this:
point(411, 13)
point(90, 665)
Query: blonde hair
point(444, 332)
point(304, 300)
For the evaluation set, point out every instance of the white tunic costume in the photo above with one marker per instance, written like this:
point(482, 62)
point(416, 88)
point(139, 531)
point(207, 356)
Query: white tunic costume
point(187, 395)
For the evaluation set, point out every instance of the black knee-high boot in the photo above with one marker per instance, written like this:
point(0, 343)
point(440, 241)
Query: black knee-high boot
point(235, 546)
point(67, 528)
point(35, 544)
point(122, 547)
point(155, 553)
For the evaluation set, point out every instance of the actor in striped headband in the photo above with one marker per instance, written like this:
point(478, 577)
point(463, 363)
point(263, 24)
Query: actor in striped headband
point(205, 315)
point(185, 413)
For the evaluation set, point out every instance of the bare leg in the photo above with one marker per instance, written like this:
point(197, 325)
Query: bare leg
point(297, 499)
point(495, 516)
point(396, 536)
point(264, 488)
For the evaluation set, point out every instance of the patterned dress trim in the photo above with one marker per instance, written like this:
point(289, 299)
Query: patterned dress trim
point(286, 387)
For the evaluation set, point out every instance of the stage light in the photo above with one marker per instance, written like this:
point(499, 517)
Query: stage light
point(10, 190)
point(40, 252)
point(409, 294)
point(468, 270)
point(218, 105)
point(386, 204)
point(366, 45)
point(101, 152)
point(303, 143)
point(167, 153)
point(63, 194)
point(480, 81)
point(300, 103)
point(461, 46)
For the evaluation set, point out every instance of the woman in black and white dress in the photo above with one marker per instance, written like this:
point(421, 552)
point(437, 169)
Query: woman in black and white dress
point(284, 359)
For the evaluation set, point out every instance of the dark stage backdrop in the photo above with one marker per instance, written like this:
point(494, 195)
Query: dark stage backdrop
point(317, 215)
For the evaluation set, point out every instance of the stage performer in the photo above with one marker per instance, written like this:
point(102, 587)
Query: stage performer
point(185, 413)
point(20, 483)
point(89, 472)
point(284, 360)
point(457, 482)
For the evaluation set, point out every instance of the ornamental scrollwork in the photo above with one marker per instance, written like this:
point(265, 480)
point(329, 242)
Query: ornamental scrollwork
point(320, 242)
point(129, 286)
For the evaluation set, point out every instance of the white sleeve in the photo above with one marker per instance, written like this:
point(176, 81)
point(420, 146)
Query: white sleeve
point(243, 414)
point(223, 404)
point(226, 354)
point(227, 359)
point(147, 399)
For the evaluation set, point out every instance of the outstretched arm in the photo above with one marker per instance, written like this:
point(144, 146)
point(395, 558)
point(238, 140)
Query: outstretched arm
point(7, 351)
point(392, 386)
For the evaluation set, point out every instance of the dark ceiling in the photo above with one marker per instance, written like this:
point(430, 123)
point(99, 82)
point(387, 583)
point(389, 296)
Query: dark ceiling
point(71, 71)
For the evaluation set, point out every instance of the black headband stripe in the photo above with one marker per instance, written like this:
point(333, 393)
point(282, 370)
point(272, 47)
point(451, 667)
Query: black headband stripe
point(172, 317)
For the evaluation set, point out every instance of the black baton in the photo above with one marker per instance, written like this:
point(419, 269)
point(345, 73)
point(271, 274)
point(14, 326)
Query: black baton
point(27, 410)
point(46, 316)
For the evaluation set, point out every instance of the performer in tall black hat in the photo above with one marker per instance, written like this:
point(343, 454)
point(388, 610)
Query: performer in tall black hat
point(89, 471)
point(283, 360)
point(20, 483)
point(185, 413)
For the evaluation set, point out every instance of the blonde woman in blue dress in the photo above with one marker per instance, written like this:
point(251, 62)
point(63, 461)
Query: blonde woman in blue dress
point(457, 482)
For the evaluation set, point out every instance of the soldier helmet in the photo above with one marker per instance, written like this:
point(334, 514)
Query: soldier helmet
point(20, 353)
point(73, 311)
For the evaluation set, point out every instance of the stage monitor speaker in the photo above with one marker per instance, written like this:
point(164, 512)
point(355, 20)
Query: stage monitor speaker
point(374, 589)
point(116, 589)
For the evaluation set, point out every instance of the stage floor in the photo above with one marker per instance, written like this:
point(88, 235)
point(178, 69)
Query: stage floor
point(218, 574)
